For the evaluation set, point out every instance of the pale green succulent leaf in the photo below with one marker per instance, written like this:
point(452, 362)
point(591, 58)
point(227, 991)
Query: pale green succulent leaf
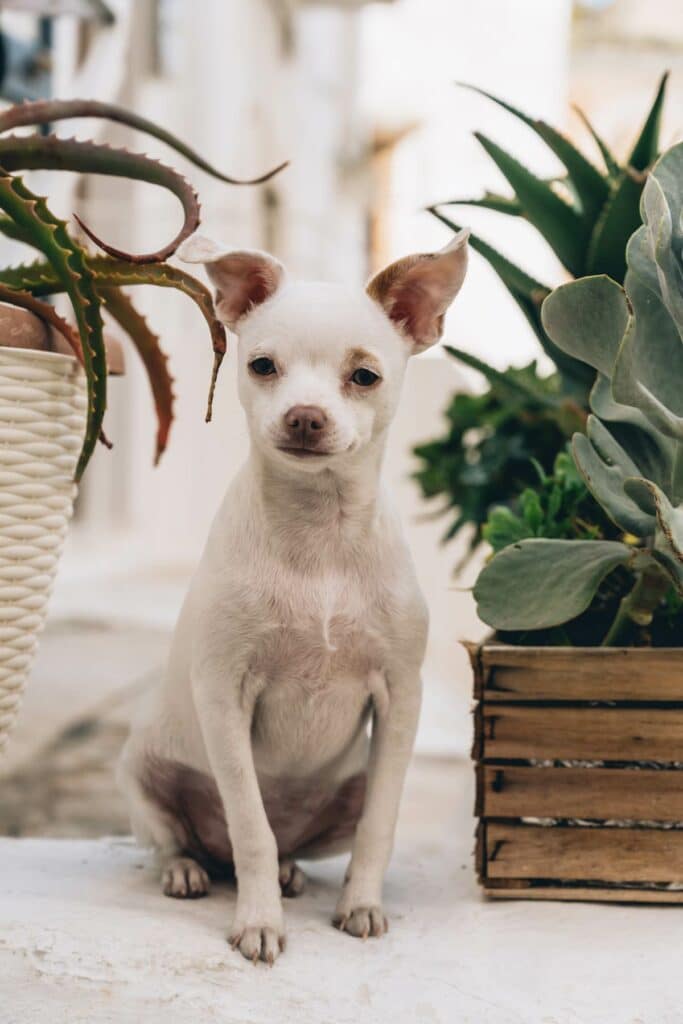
point(587, 320)
point(537, 583)
point(649, 367)
point(605, 466)
point(669, 517)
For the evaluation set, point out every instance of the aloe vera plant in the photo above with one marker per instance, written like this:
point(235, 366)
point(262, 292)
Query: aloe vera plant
point(631, 454)
point(94, 283)
point(586, 216)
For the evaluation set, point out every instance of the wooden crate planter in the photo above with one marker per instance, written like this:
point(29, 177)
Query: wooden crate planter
point(579, 762)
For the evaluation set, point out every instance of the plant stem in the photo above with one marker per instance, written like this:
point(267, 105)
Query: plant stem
point(639, 605)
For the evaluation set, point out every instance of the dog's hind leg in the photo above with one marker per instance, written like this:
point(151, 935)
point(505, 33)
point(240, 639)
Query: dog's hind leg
point(181, 876)
point(292, 879)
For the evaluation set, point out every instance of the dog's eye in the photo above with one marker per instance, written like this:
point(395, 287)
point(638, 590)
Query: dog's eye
point(263, 366)
point(364, 378)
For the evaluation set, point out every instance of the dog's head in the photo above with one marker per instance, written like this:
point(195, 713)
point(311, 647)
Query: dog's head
point(320, 365)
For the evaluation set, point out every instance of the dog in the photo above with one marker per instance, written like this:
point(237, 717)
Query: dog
point(285, 721)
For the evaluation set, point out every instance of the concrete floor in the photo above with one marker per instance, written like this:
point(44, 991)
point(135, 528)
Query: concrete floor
point(85, 936)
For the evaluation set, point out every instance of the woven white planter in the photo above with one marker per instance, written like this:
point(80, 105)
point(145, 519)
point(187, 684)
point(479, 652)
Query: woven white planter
point(42, 420)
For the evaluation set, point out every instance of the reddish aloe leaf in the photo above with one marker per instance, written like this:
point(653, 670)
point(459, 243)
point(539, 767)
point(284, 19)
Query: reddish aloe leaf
point(46, 312)
point(47, 111)
point(38, 152)
point(118, 304)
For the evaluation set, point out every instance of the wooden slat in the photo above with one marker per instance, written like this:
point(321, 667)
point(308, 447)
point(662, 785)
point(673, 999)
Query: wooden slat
point(592, 793)
point(584, 895)
point(584, 854)
point(599, 674)
point(610, 734)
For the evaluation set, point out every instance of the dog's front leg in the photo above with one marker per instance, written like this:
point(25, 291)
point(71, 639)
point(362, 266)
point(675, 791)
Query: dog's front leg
point(396, 712)
point(225, 714)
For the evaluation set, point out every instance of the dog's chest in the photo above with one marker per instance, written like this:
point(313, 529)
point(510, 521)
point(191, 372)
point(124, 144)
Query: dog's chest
point(317, 658)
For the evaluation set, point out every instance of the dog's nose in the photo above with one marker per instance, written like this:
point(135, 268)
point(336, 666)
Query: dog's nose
point(305, 423)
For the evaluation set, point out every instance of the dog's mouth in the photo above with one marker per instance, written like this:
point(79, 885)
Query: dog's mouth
point(304, 453)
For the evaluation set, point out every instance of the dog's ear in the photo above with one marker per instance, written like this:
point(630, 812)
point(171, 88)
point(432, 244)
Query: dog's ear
point(243, 278)
point(415, 292)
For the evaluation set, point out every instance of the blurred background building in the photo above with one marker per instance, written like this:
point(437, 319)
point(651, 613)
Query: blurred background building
point(361, 98)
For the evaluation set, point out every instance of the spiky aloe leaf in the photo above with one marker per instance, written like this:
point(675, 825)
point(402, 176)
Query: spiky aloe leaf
point(565, 231)
point(587, 183)
point(47, 313)
point(514, 386)
point(41, 280)
point(537, 584)
point(619, 219)
point(611, 163)
point(646, 146)
point(42, 112)
point(120, 307)
point(68, 262)
point(50, 153)
point(489, 201)
point(529, 294)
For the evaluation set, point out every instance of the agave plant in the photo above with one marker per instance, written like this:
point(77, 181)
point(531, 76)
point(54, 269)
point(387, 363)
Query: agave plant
point(586, 216)
point(631, 455)
point(94, 283)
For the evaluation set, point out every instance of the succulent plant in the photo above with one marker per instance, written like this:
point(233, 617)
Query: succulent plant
point(95, 282)
point(586, 217)
point(631, 455)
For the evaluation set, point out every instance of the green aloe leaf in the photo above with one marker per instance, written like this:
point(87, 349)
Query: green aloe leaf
point(529, 294)
point(489, 201)
point(148, 347)
point(611, 163)
point(69, 266)
point(646, 146)
point(566, 232)
point(619, 219)
point(537, 583)
point(515, 387)
point(587, 183)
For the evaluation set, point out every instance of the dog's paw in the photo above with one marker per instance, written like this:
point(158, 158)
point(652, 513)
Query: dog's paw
point(258, 935)
point(362, 922)
point(183, 878)
point(292, 879)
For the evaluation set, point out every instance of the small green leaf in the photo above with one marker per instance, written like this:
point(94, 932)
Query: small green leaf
point(540, 583)
point(489, 201)
point(515, 385)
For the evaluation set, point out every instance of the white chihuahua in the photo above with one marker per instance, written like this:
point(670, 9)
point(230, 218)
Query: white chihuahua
point(304, 620)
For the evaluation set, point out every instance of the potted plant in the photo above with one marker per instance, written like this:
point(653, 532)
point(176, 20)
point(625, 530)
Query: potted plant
point(52, 403)
point(585, 216)
point(579, 746)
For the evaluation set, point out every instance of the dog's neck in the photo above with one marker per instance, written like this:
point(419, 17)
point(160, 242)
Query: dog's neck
point(329, 510)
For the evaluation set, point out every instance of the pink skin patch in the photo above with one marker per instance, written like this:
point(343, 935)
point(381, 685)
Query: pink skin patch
point(300, 815)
